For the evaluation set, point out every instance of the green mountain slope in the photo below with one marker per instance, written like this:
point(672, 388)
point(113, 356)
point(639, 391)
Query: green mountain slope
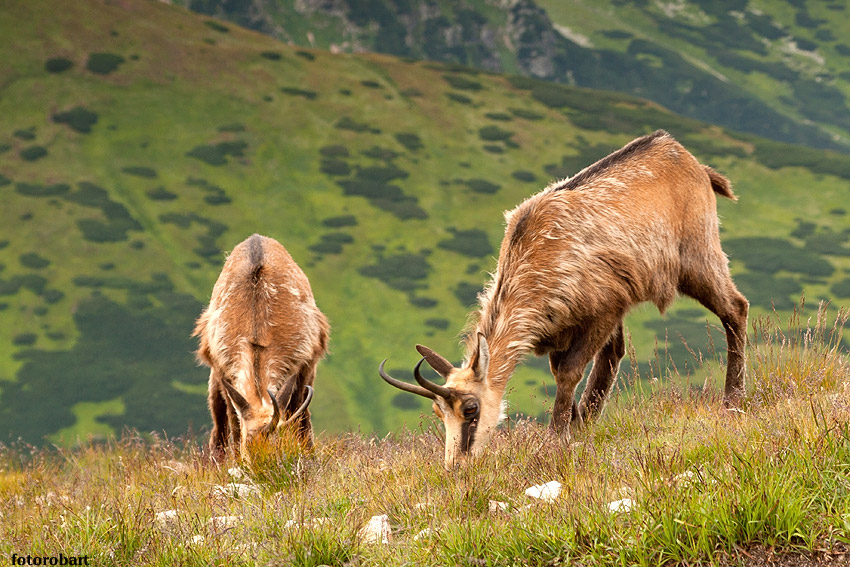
point(140, 142)
point(772, 68)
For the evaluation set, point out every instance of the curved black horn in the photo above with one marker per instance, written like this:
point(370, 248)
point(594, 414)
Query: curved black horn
point(441, 391)
point(276, 415)
point(412, 388)
point(302, 407)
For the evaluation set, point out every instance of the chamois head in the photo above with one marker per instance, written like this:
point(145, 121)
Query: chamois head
point(468, 406)
point(260, 419)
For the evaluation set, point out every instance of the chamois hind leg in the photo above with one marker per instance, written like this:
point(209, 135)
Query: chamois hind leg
point(220, 434)
point(717, 292)
point(568, 368)
point(602, 376)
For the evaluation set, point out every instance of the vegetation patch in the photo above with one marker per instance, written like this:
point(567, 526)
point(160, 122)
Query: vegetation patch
point(271, 55)
point(79, 119)
point(333, 166)
point(160, 194)
point(346, 123)
point(294, 91)
point(207, 247)
point(332, 243)
point(216, 26)
point(481, 186)
point(770, 255)
point(33, 153)
point(473, 243)
point(467, 293)
point(461, 83)
point(340, 221)
point(33, 260)
point(27, 134)
point(409, 140)
point(405, 272)
point(104, 63)
point(334, 151)
point(524, 175)
point(459, 98)
point(39, 190)
point(57, 65)
point(216, 154)
point(140, 171)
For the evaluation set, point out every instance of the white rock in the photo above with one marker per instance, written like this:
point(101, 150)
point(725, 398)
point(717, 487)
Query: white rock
point(496, 507)
point(197, 540)
point(376, 530)
point(426, 533)
point(235, 490)
point(623, 505)
point(547, 492)
point(166, 518)
point(236, 473)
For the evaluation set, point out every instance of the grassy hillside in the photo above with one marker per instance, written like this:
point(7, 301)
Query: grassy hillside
point(140, 142)
point(664, 478)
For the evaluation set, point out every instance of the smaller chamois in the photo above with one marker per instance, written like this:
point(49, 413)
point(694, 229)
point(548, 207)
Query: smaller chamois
point(262, 336)
point(639, 225)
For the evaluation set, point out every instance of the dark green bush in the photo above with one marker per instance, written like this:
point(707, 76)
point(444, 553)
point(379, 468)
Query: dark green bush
point(332, 243)
point(473, 243)
point(53, 295)
point(140, 171)
point(346, 123)
point(438, 323)
point(33, 153)
point(161, 194)
point(499, 116)
point(841, 289)
point(402, 271)
point(467, 293)
point(526, 114)
point(409, 140)
point(234, 127)
point(340, 221)
point(217, 199)
point(769, 291)
point(482, 186)
point(493, 149)
point(38, 190)
point(33, 282)
point(383, 154)
point(371, 84)
point(57, 65)
point(216, 154)
point(459, 98)
point(309, 95)
point(333, 166)
point(25, 134)
point(494, 134)
point(104, 63)
point(33, 260)
point(462, 83)
point(214, 25)
point(78, 118)
point(423, 302)
point(271, 55)
point(4, 180)
point(335, 150)
point(24, 339)
point(524, 175)
point(379, 174)
point(305, 55)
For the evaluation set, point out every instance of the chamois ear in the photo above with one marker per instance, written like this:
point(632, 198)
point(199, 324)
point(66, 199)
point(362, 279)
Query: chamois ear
point(243, 408)
point(435, 361)
point(481, 359)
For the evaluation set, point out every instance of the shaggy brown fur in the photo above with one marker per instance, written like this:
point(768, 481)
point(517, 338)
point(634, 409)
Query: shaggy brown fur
point(639, 225)
point(262, 332)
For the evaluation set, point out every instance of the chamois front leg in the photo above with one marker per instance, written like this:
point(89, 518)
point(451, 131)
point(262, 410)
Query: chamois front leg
point(220, 434)
point(567, 376)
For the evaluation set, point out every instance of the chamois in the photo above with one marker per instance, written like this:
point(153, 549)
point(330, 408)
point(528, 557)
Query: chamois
point(638, 225)
point(262, 336)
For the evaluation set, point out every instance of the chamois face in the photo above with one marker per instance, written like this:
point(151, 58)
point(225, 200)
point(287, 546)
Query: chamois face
point(469, 415)
point(257, 419)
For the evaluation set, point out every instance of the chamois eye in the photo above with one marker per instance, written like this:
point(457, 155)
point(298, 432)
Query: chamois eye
point(470, 410)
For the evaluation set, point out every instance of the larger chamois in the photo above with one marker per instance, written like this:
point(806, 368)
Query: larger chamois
point(262, 336)
point(639, 225)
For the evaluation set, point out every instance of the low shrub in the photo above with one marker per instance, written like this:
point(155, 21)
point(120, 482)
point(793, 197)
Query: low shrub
point(57, 65)
point(104, 63)
point(340, 221)
point(334, 150)
point(140, 171)
point(216, 154)
point(294, 91)
point(25, 133)
point(79, 119)
point(39, 190)
point(403, 272)
point(409, 140)
point(160, 194)
point(473, 243)
point(33, 153)
point(33, 260)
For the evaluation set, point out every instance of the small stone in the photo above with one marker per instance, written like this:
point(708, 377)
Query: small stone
point(623, 505)
point(377, 530)
point(235, 490)
point(496, 507)
point(166, 518)
point(220, 523)
point(547, 492)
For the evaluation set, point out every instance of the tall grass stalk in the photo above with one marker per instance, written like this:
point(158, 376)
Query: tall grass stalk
point(695, 484)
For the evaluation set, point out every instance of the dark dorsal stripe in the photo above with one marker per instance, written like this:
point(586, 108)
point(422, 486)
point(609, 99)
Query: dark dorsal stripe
point(467, 435)
point(632, 148)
